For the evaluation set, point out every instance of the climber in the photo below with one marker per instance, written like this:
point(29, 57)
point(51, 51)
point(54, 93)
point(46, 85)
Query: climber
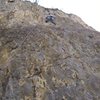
point(51, 19)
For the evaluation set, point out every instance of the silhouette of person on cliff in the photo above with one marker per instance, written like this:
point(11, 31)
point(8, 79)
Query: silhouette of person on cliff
point(51, 19)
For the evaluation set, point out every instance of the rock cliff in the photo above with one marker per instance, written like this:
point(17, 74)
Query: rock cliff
point(43, 61)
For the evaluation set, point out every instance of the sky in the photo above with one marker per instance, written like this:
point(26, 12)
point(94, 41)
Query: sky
point(88, 10)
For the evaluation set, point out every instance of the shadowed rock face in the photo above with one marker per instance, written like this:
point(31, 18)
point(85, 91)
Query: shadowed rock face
point(43, 61)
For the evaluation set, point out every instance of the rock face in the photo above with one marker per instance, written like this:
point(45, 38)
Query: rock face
point(43, 61)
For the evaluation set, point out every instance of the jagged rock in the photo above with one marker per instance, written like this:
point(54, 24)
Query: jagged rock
point(43, 61)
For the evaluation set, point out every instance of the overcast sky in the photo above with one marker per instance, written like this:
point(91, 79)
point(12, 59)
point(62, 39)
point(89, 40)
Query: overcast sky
point(88, 10)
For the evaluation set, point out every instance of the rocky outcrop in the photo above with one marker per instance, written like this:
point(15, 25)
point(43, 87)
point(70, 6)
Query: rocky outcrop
point(43, 61)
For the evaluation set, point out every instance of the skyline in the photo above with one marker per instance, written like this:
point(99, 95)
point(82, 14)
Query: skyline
point(87, 10)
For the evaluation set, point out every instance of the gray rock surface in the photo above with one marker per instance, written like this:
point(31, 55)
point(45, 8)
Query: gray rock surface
point(43, 61)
